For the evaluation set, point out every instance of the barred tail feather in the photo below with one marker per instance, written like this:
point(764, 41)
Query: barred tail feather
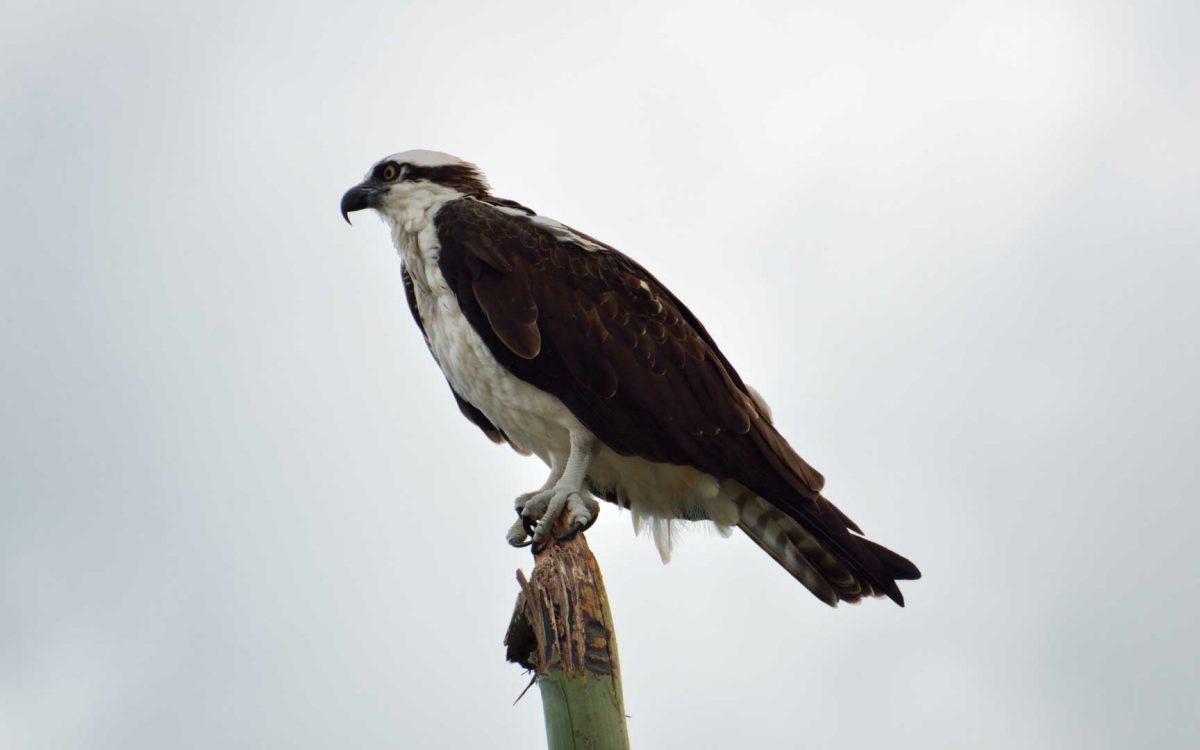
point(832, 576)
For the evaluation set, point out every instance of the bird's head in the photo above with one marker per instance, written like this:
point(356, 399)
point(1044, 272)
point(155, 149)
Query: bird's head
point(412, 179)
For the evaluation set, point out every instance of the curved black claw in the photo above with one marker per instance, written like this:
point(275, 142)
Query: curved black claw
point(570, 533)
point(529, 524)
point(525, 543)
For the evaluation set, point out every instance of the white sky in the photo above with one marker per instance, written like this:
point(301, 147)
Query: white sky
point(954, 245)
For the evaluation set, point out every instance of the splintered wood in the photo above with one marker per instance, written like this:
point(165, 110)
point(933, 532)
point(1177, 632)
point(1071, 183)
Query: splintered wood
point(561, 620)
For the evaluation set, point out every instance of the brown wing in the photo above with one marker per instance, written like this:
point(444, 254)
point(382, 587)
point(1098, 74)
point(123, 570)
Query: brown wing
point(587, 324)
point(476, 417)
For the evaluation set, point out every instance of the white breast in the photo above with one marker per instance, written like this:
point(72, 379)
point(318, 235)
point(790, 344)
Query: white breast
point(531, 418)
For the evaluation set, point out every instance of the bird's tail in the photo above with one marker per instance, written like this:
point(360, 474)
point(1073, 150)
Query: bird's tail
point(831, 572)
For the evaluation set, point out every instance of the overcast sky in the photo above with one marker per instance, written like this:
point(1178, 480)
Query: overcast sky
point(955, 245)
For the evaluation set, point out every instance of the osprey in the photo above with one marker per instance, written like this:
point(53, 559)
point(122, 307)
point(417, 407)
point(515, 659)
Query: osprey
point(564, 347)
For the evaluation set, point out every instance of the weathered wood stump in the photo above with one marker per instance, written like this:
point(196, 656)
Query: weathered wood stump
point(562, 630)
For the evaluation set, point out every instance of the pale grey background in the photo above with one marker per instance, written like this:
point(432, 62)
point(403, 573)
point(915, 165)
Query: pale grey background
point(955, 245)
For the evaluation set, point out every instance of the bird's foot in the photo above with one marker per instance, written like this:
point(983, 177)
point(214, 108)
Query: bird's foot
point(535, 502)
point(538, 511)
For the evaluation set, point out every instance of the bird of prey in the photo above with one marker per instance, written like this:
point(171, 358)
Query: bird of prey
point(564, 347)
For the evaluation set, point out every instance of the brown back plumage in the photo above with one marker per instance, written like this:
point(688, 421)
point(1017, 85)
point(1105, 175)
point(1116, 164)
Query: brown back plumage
point(587, 324)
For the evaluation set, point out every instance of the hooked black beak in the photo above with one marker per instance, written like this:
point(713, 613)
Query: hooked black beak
point(359, 197)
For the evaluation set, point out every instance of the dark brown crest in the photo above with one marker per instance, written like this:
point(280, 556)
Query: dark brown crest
point(465, 178)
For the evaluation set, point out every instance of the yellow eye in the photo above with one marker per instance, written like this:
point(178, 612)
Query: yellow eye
point(389, 172)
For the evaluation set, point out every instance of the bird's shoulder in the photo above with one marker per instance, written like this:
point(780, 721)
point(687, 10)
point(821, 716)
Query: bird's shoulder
point(540, 273)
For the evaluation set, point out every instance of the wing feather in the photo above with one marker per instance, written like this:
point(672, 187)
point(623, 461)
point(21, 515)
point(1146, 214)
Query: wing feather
point(508, 303)
point(584, 322)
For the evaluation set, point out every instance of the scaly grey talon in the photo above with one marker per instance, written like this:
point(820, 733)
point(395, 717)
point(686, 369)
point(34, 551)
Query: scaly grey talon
point(582, 510)
point(523, 500)
point(517, 535)
point(570, 533)
point(562, 493)
point(533, 504)
point(553, 509)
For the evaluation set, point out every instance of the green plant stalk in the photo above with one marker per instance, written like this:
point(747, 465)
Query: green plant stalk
point(583, 711)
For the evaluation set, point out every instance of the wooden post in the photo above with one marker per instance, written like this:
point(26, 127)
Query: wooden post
point(562, 629)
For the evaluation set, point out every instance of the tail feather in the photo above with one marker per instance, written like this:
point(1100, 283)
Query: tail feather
point(792, 560)
point(820, 552)
point(899, 566)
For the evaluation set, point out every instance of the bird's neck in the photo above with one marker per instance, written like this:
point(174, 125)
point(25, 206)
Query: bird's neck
point(409, 213)
point(409, 209)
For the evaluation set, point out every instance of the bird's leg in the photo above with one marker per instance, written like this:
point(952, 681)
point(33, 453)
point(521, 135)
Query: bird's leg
point(567, 493)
